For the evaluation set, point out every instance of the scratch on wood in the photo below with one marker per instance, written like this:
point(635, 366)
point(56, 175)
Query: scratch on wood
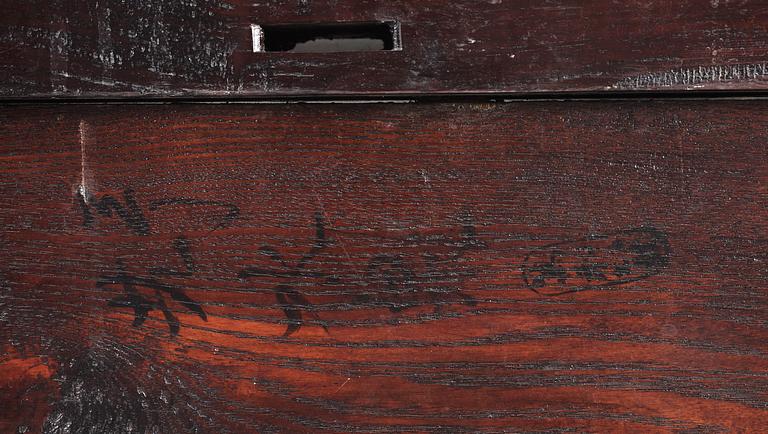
point(85, 176)
point(343, 384)
point(59, 59)
point(106, 49)
point(695, 76)
point(108, 82)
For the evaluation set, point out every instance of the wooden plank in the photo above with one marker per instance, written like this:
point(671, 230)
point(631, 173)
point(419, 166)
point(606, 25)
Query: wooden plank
point(204, 48)
point(384, 268)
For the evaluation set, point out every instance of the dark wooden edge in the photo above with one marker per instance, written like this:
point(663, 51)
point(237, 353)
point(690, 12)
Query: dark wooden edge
point(157, 49)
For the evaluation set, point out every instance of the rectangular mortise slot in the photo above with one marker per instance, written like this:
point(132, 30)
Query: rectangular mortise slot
point(326, 37)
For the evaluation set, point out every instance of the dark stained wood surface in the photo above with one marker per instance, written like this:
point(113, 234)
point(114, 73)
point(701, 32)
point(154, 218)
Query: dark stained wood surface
point(203, 48)
point(582, 266)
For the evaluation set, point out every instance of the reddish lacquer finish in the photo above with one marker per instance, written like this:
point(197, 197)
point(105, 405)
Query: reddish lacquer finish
point(593, 266)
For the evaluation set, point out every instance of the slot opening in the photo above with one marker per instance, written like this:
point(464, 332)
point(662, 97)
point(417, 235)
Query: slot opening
point(326, 37)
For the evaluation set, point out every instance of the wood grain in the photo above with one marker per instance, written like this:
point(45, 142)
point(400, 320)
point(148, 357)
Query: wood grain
point(203, 48)
point(582, 266)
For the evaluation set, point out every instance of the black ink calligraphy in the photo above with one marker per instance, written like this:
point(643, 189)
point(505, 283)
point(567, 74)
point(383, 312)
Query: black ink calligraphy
point(431, 276)
point(596, 262)
point(142, 304)
point(131, 214)
point(107, 206)
point(292, 301)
